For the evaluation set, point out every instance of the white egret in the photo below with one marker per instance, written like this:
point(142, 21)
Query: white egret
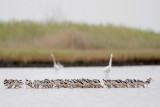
point(107, 69)
point(56, 66)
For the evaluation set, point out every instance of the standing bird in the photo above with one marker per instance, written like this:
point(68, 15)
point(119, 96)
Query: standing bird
point(56, 66)
point(107, 69)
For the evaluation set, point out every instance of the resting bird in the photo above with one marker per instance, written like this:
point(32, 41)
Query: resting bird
point(56, 66)
point(107, 69)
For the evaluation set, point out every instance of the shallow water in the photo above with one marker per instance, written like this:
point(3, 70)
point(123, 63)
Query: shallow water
point(128, 97)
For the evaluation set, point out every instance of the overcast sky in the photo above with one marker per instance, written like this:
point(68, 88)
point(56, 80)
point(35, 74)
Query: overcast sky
point(143, 14)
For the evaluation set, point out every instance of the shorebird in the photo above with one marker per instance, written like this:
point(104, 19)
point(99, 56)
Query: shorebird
point(13, 83)
point(107, 69)
point(28, 83)
point(132, 83)
point(6, 83)
point(148, 81)
point(56, 66)
point(36, 83)
point(77, 83)
point(124, 84)
point(107, 83)
point(18, 83)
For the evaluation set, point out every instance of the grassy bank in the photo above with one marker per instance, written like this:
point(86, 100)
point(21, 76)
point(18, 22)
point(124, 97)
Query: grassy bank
point(80, 57)
point(75, 36)
point(27, 42)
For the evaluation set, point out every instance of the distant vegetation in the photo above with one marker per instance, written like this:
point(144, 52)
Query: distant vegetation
point(31, 41)
point(75, 36)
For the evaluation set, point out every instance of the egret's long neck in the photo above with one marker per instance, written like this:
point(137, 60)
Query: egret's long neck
point(110, 61)
point(54, 61)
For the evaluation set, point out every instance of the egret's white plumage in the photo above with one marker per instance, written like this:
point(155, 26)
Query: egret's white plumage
point(56, 66)
point(107, 69)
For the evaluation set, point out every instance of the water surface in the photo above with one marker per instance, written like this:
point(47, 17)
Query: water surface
point(128, 97)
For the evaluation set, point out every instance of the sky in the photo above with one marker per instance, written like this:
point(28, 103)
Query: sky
point(141, 14)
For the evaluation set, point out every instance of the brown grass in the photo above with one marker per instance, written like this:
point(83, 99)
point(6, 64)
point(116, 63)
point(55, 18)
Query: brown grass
point(72, 56)
point(70, 39)
point(71, 42)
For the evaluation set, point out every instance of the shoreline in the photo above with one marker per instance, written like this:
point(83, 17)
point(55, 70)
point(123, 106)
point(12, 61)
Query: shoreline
point(75, 64)
point(42, 58)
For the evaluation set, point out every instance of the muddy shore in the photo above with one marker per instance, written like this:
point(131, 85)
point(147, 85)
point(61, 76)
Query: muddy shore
point(7, 63)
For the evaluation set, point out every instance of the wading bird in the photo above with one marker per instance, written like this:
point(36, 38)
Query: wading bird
point(107, 69)
point(56, 66)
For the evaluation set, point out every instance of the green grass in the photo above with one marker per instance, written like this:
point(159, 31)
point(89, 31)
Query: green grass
point(67, 35)
point(34, 42)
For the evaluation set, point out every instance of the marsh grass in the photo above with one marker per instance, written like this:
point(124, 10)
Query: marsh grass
point(67, 35)
point(73, 56)
point(30, 41)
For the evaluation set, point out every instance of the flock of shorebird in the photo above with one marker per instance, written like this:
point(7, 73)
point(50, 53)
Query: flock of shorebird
point(78, 83)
